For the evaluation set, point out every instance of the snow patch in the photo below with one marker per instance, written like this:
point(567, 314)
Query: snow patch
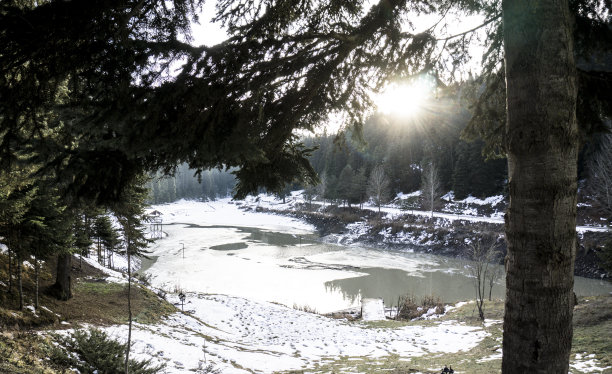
point(32, 310)
point(228, 212)
point(113, 275)
point(587, 364)
point(372, 310)
point(491, 200)
point(404, 196)
point(265, 337)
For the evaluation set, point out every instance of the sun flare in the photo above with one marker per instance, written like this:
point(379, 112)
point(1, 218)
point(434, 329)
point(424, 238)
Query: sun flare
point(403, 99)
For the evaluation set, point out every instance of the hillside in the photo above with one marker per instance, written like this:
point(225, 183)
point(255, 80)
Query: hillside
point(454, 226)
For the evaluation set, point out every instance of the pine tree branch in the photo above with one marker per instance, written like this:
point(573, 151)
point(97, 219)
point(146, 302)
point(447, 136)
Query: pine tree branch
point(487, 22)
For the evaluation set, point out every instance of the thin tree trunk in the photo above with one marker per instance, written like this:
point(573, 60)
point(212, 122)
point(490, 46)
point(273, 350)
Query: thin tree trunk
point(19, 282)
point(129, 339)
point(10, 273)
point(542, 157)
point(431, 196)
point(36, 273)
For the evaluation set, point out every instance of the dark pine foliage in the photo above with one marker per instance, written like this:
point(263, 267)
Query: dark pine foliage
point(93, 351)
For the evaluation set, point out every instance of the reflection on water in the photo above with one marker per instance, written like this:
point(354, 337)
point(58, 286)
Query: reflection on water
point(287, 268)
point(392, 283)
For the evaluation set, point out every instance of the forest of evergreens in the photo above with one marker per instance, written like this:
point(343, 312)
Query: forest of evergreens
point(95, 95)
point(185, 184)
point(403, 147)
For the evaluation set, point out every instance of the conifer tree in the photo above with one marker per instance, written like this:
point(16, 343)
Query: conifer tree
point(107, 236)
point(16, 217)
point(131, 215)
point(290, 66)
point(47, 228)
point(475, 175)
point(600, 177)
point(345, 184)
point(331, 190)
point(461, 173)
point(82, 233)
point(16, 193)
point(359, 187)
point(322, 188)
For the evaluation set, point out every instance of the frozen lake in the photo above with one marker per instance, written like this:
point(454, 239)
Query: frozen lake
point(270, 258)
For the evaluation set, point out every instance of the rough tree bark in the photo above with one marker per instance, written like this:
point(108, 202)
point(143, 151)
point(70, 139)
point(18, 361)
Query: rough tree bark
point(542, 156)
point(61, 289)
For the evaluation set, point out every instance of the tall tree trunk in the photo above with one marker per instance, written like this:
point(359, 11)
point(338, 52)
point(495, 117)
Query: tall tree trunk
point(542, 141)
point(10, 272)
point(61, 289)
point(129, 339)
point(19, 282)
point(36, 273)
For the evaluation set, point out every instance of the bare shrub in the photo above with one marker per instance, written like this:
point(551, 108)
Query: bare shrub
point(397, 227)
point(204, 368)
point(408, 308)
point(348, 216)
point(305, 308)
point(430, 302)
point(144, 278)
point(177, 289)
point(483, 252)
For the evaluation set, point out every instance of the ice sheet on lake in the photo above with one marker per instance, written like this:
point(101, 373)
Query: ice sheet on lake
point(227, 212)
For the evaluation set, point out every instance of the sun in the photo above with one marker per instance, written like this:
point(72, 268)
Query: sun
point(403, 99)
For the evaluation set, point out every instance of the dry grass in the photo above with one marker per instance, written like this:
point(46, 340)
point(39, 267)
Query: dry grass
point(94, 301)
point(410, 308)
point(305, 308)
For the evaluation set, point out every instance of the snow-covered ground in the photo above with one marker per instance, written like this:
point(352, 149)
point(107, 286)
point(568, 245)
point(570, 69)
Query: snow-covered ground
point(227, 212)
point(587, 363)
point(393, 210)
point(244, 335)
point(238, 335)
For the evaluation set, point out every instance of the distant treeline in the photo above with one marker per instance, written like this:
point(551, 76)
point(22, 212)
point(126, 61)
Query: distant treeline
point(344, 163)
point(184, 184)
point(403, 147)
point(406, 147)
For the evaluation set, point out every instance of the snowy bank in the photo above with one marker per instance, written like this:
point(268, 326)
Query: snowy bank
point(246, 336)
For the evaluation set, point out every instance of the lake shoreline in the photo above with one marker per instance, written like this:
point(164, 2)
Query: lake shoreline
point(274, 262)
point(434, 235)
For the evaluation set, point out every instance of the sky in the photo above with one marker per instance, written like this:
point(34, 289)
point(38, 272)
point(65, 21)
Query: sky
point(208, 33)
